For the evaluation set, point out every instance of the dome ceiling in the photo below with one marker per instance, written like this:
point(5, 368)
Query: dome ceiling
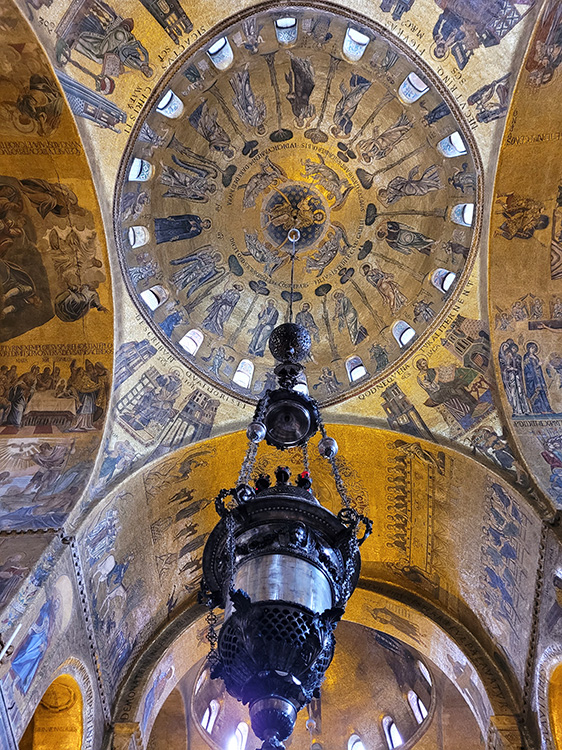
point(258, 133)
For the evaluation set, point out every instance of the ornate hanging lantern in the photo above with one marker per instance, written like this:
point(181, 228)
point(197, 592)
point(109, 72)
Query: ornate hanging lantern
point(280, 565)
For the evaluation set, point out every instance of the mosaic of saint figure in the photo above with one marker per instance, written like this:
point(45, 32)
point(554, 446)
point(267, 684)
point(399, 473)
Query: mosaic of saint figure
point(147, 268)
point(511, 369)
point(535, 385)
point(217, 358)
point(347, 105)
point(523, 216)
point(252, 31)
point(491, 100)
point(412, 185)
point(404, 239)
point(301, 85)
point(328, 381)
point(346, 315)
point(436, 114)
point(133, 205)
point(466, 24)
point(98, 42)
point(204, 120)
point(263, 253)
point(336, 241)
point(267, 320)
point(463, 180)
point(545, 55)
point(381, 144)
point(386, 286)
point(199, 269)
point(269, 174)
point(323, 175)
point(304, 318)
point(30, 652)
point(221, 308)
point(448, 385)
point(251, 108)
point(191, 187)
point(457, 251)
point(379, 356)
point(182, 227)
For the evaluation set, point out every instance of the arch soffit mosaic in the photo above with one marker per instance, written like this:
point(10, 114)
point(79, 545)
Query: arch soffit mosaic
point(178, 646)
point(56, 330)
point(524, 297)
point(402, 478)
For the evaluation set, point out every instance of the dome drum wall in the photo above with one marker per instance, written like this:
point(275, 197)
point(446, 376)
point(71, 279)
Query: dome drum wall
point(299, 138)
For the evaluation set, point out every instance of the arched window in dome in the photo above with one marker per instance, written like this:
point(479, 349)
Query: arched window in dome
point(286, 29)
point(239, 738)
point(191, 341)
point(412, 88)
point(354, 44)
point(154, 297)
point(403, 333)
point(170, 105)
point(355, 743)
point(443, 279)
point(221, 54)
point(355, 369)
point(417, 705)
point(452, 145)
point(210, 716)
point(463, 214)
point(425, 673)
point(138, 236)
point(391, 733)
point(244, 374)
point(140, 170)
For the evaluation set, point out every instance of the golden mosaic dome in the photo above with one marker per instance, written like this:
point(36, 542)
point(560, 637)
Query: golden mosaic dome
point(308, 121)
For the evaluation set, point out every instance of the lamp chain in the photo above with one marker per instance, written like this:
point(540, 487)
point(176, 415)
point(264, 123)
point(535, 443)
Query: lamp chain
point(252, 449)
point(340, 486)
point(248, 464)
